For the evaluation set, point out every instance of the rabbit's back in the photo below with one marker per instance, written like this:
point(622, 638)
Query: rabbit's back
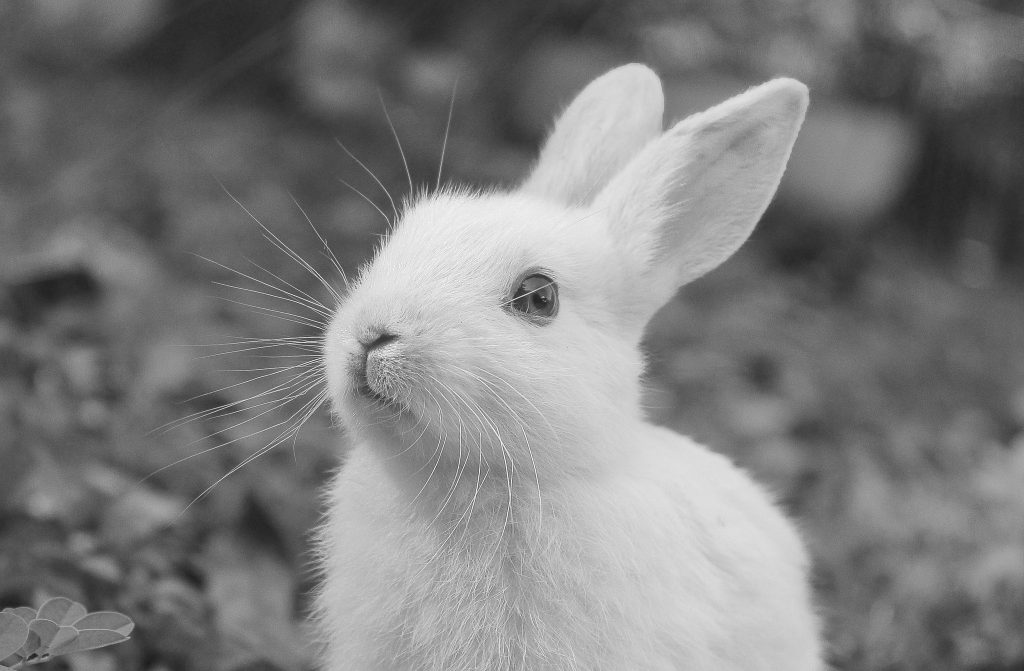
point(678, 561)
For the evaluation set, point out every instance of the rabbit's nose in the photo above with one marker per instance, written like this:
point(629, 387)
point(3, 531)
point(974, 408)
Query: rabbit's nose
point(376, 339)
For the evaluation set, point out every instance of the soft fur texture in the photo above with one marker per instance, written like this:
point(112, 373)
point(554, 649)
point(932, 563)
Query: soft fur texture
point(505, 505)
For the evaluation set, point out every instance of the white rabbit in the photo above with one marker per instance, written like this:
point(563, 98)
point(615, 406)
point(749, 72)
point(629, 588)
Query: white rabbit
point(505, 505)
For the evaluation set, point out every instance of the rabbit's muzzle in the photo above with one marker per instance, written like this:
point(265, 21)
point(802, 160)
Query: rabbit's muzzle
point(372, 366)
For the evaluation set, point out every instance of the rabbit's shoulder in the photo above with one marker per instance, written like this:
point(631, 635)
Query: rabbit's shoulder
point(709, 487)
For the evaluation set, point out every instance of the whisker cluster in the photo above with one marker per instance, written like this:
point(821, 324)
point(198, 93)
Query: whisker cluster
point(494, 415)
point(290, 369)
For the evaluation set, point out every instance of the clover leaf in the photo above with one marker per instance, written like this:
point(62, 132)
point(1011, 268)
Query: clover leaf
point(60, 626)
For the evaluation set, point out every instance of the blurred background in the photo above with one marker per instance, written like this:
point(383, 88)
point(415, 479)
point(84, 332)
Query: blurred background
point(863, 355)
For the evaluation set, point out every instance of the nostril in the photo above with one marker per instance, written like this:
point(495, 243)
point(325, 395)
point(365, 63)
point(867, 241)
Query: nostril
point(375, 340)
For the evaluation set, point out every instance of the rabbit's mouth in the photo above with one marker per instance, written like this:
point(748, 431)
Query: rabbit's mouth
point(375, 388)
point(368, 393)
point(367, 380)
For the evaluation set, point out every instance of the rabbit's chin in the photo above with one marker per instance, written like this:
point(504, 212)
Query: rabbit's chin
point(383, 420)
point(365, 407)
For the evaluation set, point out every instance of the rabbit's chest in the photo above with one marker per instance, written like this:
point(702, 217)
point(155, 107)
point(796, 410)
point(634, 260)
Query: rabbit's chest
point(548, 592)
point(476, 606)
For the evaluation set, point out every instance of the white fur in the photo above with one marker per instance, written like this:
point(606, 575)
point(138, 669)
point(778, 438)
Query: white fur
point(605, 126)
point(509, 508)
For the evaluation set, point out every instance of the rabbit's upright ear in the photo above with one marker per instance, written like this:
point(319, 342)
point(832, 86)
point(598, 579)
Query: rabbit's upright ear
point(601, 130)
point(690, 198)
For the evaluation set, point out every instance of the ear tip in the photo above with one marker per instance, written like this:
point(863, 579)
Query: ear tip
point(788, 93)
point(634, 78)
point(639, 71)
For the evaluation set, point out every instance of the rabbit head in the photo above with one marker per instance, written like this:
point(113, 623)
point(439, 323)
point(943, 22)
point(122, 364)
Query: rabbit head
point(505, 327)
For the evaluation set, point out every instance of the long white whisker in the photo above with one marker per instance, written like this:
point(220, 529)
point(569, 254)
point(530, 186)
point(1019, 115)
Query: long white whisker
point(426, 425)
point(270, 236)
point(306, 381)
point(543, 417)
point(313, 348)
point(301, 297)
point(323, 240)
point(362, 165)
point(398, 142)
point(230, 386)
point(436, 457)
point(277, 369)
point(447, 128)
point(367, 199)
point(468, 514)
point(224, 410)
point(526, 439)
point(318, 399)
point(506, 455)
point(228, 442)
point(323, 312)
point(300, 293)
point(279, 314)
point(528, 293)
point(460, 467)
point(234, 341)
point(309, 366)
point(305, 359)
point(303, 263)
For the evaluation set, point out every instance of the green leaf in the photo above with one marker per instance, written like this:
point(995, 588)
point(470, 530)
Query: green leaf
point(31, 645)
point(13, 633)
point(61, 610)
point(90, 639)
point(65, 635)
point(45, 630)
point(50, 635)
point(106, 619)
point(44, 635)
point(24, 612)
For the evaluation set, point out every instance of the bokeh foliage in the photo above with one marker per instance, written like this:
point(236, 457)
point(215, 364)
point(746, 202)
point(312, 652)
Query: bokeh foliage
point(862, 355)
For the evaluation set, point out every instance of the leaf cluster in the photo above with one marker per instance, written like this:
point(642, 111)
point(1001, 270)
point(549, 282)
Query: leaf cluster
point(59, 627)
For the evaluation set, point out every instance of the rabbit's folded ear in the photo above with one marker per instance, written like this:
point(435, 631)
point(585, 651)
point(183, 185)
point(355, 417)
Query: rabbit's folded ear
point(689, 199)
point(601, 130)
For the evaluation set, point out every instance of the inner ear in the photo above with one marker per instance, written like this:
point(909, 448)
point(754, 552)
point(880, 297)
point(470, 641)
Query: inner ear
point(690, 198)
point(601, 130)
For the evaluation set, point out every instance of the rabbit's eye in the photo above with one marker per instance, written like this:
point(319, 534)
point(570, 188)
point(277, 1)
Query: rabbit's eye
point(536, 297)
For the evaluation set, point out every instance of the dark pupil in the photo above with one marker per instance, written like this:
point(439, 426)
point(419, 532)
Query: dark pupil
point(535, 296)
